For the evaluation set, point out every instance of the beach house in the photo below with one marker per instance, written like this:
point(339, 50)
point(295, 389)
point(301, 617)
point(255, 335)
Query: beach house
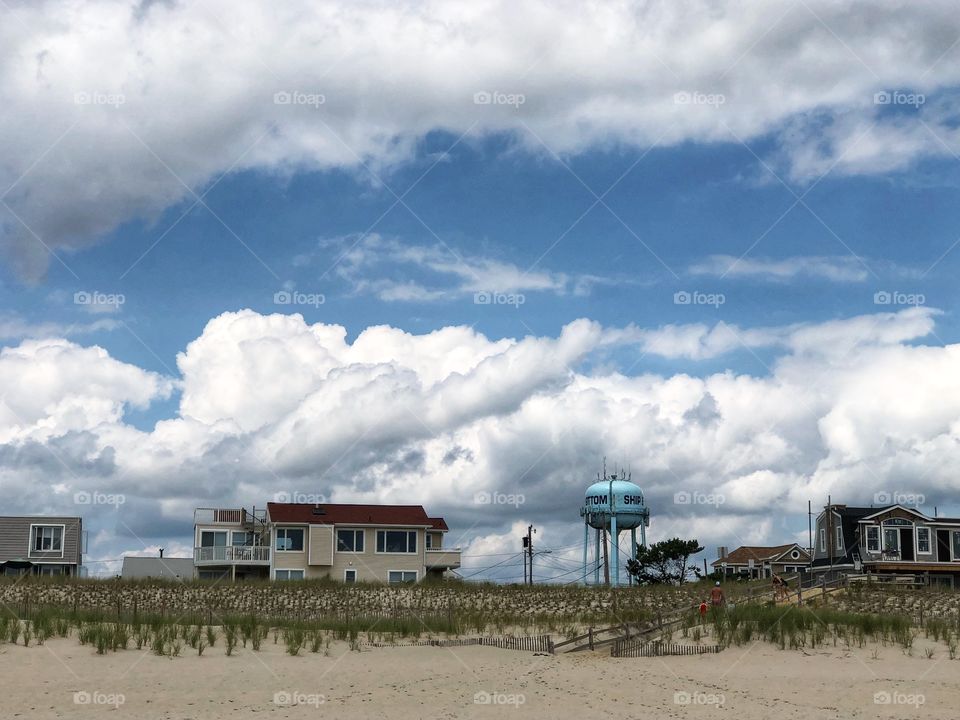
point(753, 562)
point(887, 540)
point(41, 545)
point(343, 542)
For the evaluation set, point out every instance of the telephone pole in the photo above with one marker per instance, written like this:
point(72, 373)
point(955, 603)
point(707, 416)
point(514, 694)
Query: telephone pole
point(528, 544)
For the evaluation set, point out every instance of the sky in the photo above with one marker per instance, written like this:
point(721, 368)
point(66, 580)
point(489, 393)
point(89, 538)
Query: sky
point(462, 254)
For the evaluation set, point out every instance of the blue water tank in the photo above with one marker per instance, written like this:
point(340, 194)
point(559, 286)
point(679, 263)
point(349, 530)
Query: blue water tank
point(621, 498)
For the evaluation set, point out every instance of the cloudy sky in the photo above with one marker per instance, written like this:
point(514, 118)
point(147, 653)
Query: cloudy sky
point(445, 253)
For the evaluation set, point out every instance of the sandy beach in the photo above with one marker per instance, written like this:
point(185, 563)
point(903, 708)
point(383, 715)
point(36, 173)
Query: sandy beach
point(64, 679)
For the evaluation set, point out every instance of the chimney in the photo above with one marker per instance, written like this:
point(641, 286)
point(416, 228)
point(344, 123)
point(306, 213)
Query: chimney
point(161, 553)
point(722, 552)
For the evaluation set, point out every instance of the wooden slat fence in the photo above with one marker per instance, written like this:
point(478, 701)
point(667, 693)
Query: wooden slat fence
point(638, 648)
point(535, 643)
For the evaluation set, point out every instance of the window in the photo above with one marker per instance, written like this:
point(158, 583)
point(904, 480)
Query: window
point(47, 538)
point(956, 544)
point(350, 541)
point(891, 540)
point(402, 576)
point(823, 540)
point(349, 576)
point(290, 574)
point(839, 546)
point(244, 539)
point(923, 540)
point(396, 541)
point(213, 538)
point(873, 539)
point(428, 541)
point(50, 570)
point(290, 540)
point(795, 555)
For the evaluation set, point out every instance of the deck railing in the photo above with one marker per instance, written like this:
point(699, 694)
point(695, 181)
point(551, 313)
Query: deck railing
point(231, 554)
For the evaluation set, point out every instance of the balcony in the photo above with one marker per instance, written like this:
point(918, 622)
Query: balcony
point(231, 555)
point(442, 558)
point(228, 516)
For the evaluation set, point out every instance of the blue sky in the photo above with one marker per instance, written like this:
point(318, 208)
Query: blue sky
point(805, 203)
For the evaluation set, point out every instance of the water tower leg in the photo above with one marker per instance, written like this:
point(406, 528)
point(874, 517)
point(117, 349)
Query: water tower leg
point(615, 550)
point(586, 545)
point(596, 558)
point(633, 543)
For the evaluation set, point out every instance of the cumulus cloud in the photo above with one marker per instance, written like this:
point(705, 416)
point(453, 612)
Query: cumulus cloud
point(273, 404)
point(116, 111)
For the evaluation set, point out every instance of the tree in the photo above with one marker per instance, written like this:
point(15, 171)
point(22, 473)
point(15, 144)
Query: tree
point(665, 562)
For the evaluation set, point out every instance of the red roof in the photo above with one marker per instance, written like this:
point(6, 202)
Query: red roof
point(330, 514)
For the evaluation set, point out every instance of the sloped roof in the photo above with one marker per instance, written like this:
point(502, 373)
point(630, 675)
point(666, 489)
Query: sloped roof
point(337, 514)
point(758, 553)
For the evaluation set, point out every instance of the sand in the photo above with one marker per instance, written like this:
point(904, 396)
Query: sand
point(65, 679)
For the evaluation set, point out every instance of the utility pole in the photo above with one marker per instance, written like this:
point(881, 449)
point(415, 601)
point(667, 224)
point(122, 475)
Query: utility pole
point(526, 572)
point(810, 527)
point(528, 560)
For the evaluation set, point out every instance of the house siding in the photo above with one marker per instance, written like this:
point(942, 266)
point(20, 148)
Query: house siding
point(16, 540)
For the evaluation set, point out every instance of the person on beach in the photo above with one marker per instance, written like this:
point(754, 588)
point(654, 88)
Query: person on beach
point(717, 598)
point(703, 612)
point(777, 583)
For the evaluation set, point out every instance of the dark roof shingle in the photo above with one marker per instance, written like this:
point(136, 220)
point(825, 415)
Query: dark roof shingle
point(344, 514)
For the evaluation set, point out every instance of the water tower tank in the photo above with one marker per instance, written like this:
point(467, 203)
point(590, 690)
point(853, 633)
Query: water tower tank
point(627, 504)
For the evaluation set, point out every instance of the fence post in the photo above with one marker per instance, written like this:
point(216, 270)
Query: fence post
point(590, 635)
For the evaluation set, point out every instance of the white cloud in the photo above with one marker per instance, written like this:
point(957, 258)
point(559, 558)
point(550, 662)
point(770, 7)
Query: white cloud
point(270, 403)
point(182, 92)
point(838, 268)
point(363, 261)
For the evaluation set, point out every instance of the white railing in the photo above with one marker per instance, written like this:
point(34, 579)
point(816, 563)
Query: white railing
point(231, 554)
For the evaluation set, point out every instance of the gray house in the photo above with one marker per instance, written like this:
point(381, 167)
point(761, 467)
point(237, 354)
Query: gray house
point(167, 568)
point(41, 545)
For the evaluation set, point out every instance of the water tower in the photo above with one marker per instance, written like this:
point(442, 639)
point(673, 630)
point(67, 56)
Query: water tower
point(610, 505)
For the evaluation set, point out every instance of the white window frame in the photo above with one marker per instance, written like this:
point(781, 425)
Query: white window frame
point(285, 530)
point(350, 570)
point(877, 535)
point(46, 553)
point(415, 573)
point(225, 533)
point(916, 541)
point(378, 551)
point(427, 541)
point(839, 540)
point(234, 533)
point(302, 572)
point(794, 554)
point(953, 545)
point(356, 531)
point(823, 540)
